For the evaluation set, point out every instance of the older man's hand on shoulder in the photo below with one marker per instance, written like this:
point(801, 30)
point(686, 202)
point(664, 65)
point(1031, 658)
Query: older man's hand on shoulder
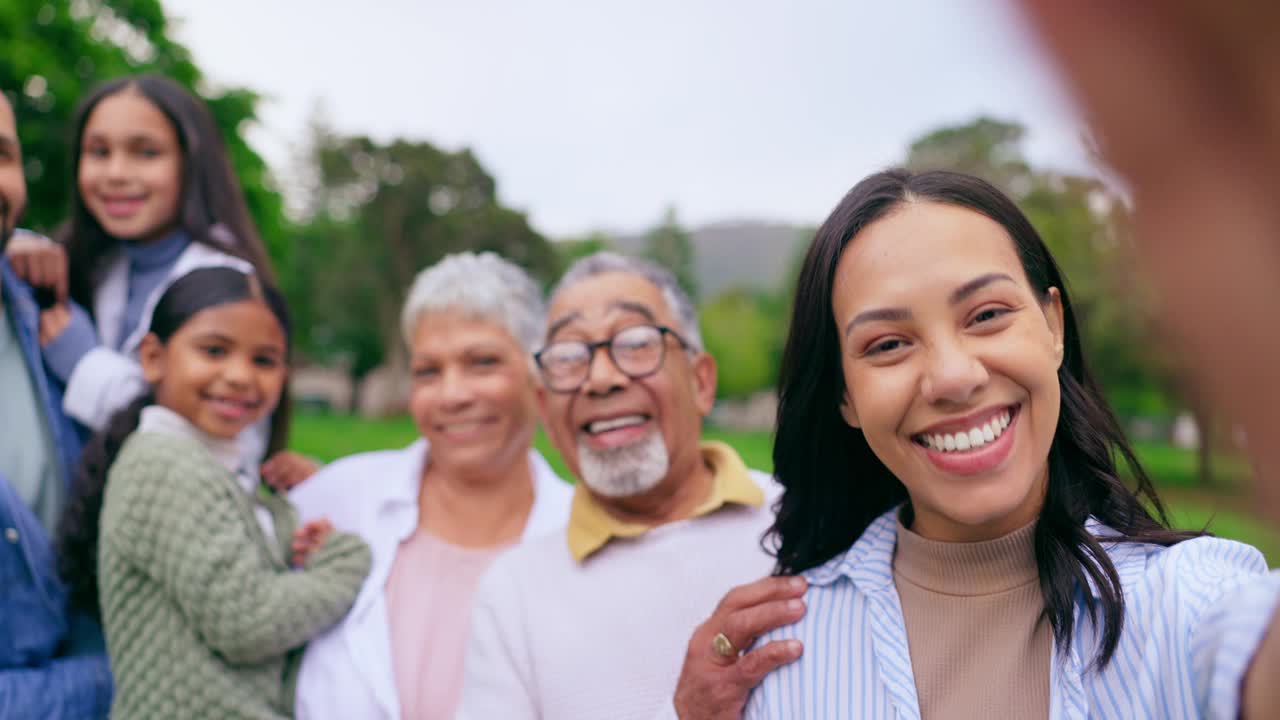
point(721, 667)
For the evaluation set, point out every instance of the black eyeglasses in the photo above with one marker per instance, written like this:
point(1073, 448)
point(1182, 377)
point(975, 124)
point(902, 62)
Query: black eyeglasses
point(637, 351)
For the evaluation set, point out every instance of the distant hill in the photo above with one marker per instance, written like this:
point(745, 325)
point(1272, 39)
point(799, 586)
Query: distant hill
point(737, 254)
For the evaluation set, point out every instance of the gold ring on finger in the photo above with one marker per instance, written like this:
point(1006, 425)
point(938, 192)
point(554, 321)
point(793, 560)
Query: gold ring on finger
point(720, 643)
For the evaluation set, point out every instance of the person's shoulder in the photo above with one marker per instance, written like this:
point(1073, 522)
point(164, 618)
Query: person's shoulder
point(147, 454)
point(144, 446)
point(865, 566)
point(536, 561)
point(162, 474)
point(345, 469)
point(768, 484)
point(371, 475)
point(203, 255)
point(1215, 594)
point(1202, 559)
point(1192, 574)
point(551, 549)
point(520, 578)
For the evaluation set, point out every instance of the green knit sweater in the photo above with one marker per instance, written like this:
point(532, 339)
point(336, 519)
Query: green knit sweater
point(203, 618)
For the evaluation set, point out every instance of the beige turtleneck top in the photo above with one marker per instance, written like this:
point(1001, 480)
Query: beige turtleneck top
point(979, 639)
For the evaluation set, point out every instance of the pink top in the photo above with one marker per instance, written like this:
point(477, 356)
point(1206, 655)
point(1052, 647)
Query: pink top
point(429, 597)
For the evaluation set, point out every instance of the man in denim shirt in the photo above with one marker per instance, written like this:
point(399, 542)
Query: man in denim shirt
point(53, 664)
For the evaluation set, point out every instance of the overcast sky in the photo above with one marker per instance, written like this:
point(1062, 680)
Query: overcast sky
point(598, 114)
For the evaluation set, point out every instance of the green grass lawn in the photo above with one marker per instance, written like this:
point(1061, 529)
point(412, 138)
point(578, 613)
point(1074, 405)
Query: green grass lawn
point(1174, 467)
point(329, 437)
point(1222, 508)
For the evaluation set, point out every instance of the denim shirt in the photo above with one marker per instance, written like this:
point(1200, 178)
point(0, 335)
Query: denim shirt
point(52, 665)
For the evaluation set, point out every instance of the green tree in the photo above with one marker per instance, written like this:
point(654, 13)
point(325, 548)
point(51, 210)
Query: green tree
point(986, 147)
point(744, 331)
point(570, 250)
point(54, 51)
point(669, 244)
point(377, 214)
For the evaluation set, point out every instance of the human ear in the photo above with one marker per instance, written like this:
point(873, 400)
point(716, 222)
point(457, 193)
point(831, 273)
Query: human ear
point(1053, 315)
point(704, 383)
point(847, 410)
point(151, 356)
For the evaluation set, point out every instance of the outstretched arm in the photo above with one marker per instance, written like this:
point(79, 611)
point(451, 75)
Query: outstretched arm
point(1183, 100)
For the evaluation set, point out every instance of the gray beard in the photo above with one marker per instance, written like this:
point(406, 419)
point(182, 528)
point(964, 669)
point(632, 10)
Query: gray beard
point(627, 470)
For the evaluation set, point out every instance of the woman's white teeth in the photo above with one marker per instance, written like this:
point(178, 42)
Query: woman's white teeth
point(621, 422)
point(971, 439)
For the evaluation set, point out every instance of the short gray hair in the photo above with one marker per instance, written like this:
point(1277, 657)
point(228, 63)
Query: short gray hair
point(677, 299)
point(485, 286)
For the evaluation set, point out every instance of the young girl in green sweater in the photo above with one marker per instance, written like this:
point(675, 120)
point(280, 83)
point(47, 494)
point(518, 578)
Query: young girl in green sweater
point(207, 589)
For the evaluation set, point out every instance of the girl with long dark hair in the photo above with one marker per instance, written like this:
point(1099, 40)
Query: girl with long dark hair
point(206, 587)
point(954, 491)
point(155, 197)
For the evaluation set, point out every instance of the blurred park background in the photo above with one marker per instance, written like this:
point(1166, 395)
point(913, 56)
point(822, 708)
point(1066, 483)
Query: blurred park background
point(350, 215)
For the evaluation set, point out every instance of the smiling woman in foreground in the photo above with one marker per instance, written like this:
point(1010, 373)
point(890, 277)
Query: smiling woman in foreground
point(952, 491)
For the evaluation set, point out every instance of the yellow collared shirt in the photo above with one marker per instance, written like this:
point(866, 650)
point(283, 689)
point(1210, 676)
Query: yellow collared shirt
point(591, 527)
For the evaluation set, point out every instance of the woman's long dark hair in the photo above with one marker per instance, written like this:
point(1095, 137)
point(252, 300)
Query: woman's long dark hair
point(835, 486)
point(211, 208)
point(78, 530)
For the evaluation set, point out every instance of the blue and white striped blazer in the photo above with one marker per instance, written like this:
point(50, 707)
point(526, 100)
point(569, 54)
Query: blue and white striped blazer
point(1194, 615)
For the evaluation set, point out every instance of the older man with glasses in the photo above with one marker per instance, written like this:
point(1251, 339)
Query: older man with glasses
point(597, 623)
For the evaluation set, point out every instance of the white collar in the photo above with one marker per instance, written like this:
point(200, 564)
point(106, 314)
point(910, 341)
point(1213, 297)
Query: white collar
point(869, 562)
point(550, 493)
point(162, 420)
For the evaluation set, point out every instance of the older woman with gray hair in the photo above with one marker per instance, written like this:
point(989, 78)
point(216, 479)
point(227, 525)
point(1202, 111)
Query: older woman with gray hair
point(437, 512)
